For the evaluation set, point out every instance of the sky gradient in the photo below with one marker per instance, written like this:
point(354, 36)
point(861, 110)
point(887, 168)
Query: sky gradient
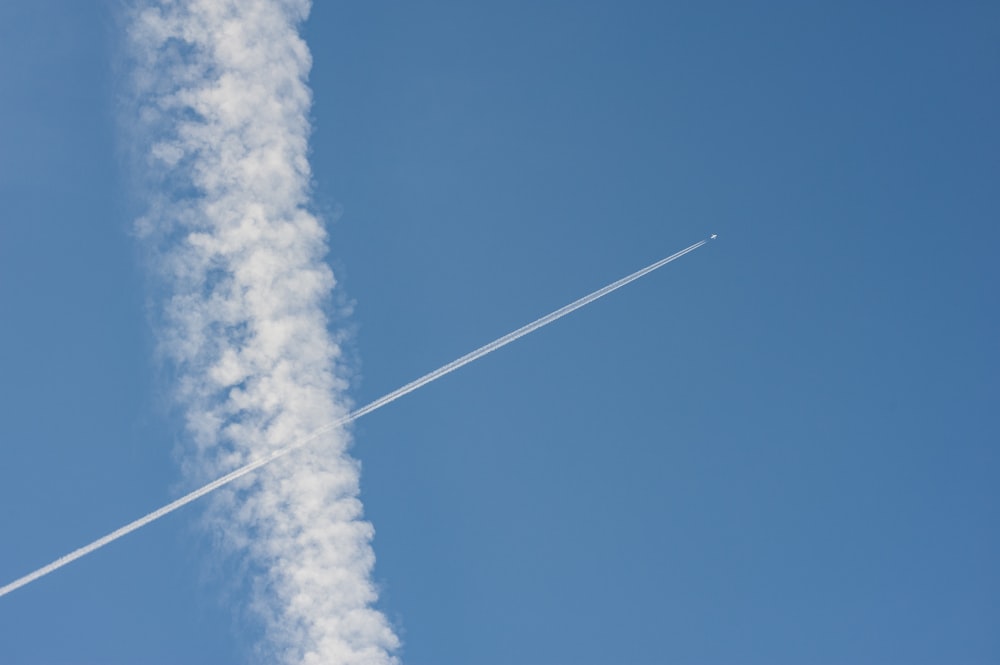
point(781, 448)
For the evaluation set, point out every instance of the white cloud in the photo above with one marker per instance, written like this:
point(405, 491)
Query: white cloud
point(223, 102)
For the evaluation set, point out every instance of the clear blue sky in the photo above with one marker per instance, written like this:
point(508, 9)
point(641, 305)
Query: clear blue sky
point(782, 448)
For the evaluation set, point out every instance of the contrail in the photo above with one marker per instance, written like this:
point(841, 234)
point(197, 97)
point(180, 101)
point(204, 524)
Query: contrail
point(350, 417)
point(245, 317)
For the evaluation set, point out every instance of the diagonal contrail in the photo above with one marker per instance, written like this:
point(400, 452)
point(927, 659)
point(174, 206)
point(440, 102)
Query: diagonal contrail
point(352, 416)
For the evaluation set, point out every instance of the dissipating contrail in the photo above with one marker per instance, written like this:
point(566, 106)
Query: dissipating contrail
point(340, 422)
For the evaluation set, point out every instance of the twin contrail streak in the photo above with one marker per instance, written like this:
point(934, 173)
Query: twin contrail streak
point(352, 416)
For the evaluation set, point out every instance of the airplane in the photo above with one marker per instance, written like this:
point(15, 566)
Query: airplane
point(714, 236)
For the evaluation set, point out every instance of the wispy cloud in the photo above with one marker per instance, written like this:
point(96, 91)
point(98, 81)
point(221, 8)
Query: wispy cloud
point(222, 98)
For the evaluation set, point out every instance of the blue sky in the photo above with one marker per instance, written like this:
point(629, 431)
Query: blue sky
point(779, 449)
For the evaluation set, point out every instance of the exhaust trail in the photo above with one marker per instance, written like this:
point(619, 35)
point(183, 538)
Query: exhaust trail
point(340, 422)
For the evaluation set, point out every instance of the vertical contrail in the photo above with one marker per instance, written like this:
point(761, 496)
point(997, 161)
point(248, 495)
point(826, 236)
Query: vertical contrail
point(243, 295)
point(353, 415)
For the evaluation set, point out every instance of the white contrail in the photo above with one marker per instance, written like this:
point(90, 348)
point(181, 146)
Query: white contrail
point(243, 315)
point(354, 415)
point(511, 336)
